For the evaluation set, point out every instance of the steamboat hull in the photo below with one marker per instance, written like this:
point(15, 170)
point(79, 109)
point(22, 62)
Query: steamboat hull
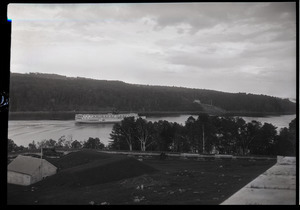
point(103, 118)
point(97, 122)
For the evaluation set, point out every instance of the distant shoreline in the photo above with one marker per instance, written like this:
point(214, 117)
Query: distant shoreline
point(70, 115)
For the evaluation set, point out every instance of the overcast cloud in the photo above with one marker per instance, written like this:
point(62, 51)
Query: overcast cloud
point(231, 47)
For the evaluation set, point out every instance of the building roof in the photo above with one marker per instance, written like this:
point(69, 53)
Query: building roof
point(26, 164)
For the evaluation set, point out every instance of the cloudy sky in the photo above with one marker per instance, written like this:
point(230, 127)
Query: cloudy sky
point(230, 47)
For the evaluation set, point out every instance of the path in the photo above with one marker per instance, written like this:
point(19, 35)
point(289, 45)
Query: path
point(276, 186)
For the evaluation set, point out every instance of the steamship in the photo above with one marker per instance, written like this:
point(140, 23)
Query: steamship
point(104, 118)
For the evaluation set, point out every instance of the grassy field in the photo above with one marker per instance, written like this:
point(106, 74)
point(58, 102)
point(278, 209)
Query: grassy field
point(94, 178)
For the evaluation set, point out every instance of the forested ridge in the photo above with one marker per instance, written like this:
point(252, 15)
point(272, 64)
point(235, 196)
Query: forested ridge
point(50, 92)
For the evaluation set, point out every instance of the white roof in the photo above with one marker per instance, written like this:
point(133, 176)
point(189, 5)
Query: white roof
point(26, 164)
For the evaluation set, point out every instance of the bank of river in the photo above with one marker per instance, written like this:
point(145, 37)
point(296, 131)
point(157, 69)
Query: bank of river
point(23, 132)
point(70, 115)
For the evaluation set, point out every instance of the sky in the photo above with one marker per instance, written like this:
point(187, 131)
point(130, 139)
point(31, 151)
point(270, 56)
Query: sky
point(230, 47)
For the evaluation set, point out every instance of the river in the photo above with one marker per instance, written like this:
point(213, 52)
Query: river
point(23, 132)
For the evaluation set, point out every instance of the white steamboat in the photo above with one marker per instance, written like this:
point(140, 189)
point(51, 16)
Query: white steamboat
point(104, 118)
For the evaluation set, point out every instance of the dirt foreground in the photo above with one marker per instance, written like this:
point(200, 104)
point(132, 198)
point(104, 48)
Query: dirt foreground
point(172, 181)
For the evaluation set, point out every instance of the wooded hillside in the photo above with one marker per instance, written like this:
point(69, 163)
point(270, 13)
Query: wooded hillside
point(49, 92)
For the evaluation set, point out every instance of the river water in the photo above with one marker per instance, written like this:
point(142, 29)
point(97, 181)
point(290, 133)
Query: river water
point(24, 132)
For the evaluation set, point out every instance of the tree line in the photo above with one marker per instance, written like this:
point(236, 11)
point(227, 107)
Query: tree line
point(61, 143)
point(205, 135)
point(44, 92)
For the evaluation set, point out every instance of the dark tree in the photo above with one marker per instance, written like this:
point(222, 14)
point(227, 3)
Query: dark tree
point(32, 146)
point(249, 134)
point(144, 133)
point(192, 134)
point(207, 129)
point(264, 141)
point(164, 135)
point(283, 146)
point(180, 143)
point(226, 135)
point(293, 133)
point(285, 143)
point(124, 132)
point(93, 143)
point(76, 144)
point(11, 146)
